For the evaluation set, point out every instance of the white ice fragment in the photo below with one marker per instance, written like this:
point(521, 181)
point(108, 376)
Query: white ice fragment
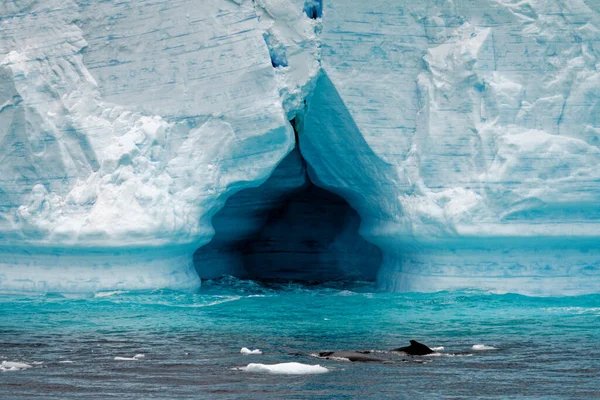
point(482, 347)
point(13, 366)
point(292, 368)
point(137, 357)
point(247, 351)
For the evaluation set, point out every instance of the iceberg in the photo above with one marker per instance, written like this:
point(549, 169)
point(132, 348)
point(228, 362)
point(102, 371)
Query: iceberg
point(436, 146)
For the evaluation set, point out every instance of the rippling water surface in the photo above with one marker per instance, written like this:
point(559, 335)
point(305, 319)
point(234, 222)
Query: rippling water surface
point(546, 347)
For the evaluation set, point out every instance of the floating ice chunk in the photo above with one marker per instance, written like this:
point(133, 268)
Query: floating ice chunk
point(292, 368)
point(137, 357)
point(482, 347)
point(246, 350)
point(13, 366)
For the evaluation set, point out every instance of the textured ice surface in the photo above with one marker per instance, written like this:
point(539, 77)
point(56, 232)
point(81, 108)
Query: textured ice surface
point(124, 126)
point(465, 134)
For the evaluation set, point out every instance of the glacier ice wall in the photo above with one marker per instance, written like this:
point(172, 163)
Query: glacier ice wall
point(464, 133)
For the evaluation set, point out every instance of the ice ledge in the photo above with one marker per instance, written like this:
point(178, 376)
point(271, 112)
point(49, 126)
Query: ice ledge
point(57, 270)
point(399, 281)
point(537, 266)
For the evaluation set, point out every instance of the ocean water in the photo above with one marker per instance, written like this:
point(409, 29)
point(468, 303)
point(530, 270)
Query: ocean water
point(546, 348)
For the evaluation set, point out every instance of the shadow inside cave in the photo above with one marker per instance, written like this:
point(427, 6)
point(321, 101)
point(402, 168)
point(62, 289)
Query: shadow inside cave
point(288, 229)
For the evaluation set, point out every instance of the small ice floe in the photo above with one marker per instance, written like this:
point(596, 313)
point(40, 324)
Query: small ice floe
point(137, 357)
point(291, 368)
point(482, 347)
point(439, 348)
point(247, 351)
point(13, 366)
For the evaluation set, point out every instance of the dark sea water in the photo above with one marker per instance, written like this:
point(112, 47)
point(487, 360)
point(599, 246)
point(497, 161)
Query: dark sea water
point(547, 348)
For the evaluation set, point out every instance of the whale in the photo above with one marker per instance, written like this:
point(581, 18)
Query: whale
point(354, 356)
point(415, 349)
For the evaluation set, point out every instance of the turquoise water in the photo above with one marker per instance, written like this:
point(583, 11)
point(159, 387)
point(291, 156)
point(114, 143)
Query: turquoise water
point(546, 347)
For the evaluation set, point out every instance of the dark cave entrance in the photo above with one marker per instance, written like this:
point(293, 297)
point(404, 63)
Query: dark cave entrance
point(288, 229)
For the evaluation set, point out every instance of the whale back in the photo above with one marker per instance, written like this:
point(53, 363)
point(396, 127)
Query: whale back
point(415, 349)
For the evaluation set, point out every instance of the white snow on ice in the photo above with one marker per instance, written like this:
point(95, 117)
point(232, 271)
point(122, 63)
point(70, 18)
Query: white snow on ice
point(291, 368)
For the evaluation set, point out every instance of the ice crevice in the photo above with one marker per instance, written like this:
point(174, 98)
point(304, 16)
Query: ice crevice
point(313, 8)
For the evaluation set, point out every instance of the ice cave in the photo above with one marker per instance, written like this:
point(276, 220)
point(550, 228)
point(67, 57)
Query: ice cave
point(288, 229)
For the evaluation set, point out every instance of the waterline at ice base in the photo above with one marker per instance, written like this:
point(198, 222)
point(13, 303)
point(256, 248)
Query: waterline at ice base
point(426, 146)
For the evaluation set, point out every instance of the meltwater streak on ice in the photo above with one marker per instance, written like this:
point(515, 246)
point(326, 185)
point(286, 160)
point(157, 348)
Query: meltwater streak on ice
point(547, 347)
